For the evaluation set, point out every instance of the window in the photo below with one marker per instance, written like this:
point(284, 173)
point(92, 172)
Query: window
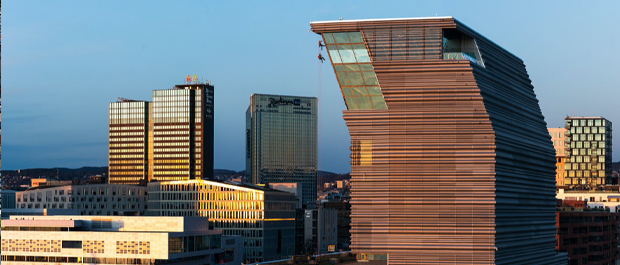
point(71, 244)
point(354, 72)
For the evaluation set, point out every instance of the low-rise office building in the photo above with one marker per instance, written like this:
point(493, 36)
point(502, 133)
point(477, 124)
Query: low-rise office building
point(321, 230)
point(264, 217)
point(587, 235)
point(95, 199)
point(108, 240)
point(344, 223)
point(610, 199)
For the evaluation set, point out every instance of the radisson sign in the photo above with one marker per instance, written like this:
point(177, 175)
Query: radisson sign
point(277, 102)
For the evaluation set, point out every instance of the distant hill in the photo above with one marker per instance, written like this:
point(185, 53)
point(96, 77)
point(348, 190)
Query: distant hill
point(15, 178)
point(61, 172)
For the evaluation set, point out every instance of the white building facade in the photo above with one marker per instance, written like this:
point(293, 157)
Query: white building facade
point(108, 240)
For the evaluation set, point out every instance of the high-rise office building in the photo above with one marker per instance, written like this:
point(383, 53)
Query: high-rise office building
point(588, 146)
point(281, 142)
point(451, 162)
point(168, 139)
point(183, 132)
point(557, 138)
point(128, 139)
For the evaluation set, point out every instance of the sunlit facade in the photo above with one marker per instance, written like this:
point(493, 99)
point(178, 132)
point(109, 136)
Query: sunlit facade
point(281, 142)
point(588, 147)
point(183, 133)
point(264, 217)
point(109, 240)
point(451, 162)
point(128, 141)
point(170, 138)
point(557, 137)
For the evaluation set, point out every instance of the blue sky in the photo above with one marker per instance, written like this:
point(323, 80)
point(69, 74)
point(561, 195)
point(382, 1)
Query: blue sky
point(63, 61)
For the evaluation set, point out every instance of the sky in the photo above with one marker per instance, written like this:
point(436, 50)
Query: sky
point(64, 61)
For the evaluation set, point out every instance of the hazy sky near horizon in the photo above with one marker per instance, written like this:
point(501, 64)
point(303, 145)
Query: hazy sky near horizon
point(64, 61)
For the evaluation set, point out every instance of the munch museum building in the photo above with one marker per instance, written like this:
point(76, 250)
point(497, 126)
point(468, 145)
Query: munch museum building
point(451, 162)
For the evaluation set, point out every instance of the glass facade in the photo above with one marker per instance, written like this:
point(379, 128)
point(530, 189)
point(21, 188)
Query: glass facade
point(282, 142)
point(262, 216)
point(127, 141)
point(588, 148)
point(176, 132)
point(356, 76)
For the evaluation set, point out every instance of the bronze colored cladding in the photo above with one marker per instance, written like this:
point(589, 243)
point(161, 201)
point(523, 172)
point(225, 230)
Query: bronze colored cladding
point(456, 158)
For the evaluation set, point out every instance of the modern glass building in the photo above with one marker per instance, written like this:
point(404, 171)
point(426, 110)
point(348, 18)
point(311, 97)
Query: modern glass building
point(128, 139)
point(588, 147)
point(451, 162)
point(183, 132)
point(264, 217)
point(281, 142)
point(170, 138)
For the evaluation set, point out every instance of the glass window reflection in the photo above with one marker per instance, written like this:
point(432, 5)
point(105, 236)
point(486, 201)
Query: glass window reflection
point(346, 53)
point(329, 39)
point(355, 37)
point(341, 37)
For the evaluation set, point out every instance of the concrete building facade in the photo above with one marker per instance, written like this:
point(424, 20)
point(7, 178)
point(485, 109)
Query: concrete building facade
point(321, 230)
point(558, 138)
point(93, 199)
point(109, 240)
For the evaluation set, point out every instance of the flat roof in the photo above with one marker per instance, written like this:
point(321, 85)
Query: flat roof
point(31, 222)
point(378, 19)
point(273, 95)
point(577, 117)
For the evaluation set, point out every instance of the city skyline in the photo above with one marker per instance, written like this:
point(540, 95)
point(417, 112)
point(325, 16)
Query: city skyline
point(65, 66)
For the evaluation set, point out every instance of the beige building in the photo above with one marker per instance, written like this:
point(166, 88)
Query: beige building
point(557, 137)
point(108, 240)
point(93, 199)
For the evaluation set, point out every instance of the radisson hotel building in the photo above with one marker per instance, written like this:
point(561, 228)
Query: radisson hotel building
point(451, 162)
point(281, 142)
point(168, 139)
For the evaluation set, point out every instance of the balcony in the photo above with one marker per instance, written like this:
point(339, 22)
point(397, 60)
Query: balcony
point(460, 56)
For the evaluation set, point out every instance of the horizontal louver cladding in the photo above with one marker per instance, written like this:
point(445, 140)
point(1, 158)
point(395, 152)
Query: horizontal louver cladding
point(430, 180)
